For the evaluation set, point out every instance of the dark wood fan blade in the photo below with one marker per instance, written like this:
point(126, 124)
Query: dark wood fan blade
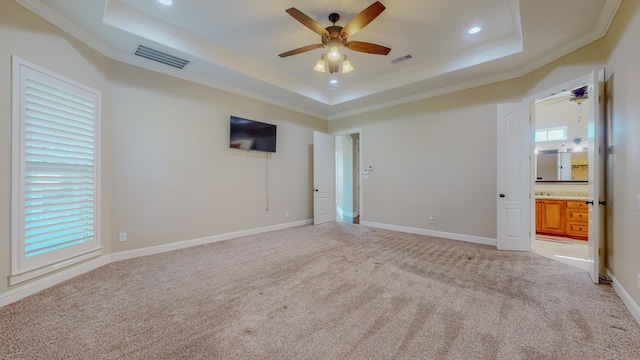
point(307, 21)
point(366, 47)
point(301, 50)
point(363, 18)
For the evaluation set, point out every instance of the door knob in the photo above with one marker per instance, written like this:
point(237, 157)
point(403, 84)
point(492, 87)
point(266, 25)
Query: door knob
point(316, 190)
point(602, 202)
point(589, 202)
point(503, 195)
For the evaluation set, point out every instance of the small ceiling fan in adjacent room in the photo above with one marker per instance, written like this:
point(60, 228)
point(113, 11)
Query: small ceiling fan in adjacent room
point(336, 36)
point(576, 96)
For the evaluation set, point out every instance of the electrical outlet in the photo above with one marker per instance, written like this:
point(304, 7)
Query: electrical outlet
point(286, 213)
point(123, 236)
point(432, 220)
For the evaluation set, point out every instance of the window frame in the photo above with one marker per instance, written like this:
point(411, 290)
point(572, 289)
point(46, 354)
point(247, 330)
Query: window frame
point(547, 130)
point(23, 269)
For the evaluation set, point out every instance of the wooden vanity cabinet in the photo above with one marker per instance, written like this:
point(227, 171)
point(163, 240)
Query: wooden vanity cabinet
point(568, 218)
point(577, 219)
point(552, 213)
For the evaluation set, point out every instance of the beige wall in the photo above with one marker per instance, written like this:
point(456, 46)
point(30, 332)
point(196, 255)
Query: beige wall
point(174, 177)
point(623, 71)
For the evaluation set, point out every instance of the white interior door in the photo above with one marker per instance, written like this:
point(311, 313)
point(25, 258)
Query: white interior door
point(514, 178)
point(595, 134)
point(324, 203)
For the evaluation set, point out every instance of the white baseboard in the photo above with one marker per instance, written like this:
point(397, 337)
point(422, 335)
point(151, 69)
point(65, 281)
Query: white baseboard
point(48, 281)
point(158, 249)
point(625, 297)
point(434, 233)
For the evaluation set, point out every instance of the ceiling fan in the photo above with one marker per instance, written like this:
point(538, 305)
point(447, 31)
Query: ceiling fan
point(577, 96)
point(336, 36)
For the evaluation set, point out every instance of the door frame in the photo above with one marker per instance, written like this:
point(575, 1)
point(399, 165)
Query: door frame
point(571, 84)
point(361, 141)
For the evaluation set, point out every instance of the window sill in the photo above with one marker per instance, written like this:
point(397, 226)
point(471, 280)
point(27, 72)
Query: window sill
point(32, 274)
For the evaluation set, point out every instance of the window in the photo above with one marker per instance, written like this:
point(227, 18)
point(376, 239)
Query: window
point(551, 134)
point(55, 171)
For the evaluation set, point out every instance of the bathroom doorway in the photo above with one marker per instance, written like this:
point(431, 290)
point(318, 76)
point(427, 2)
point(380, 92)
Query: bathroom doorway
point(348, 177)
point(561, 176)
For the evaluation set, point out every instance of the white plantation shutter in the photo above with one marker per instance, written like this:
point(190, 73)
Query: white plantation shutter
point(57, 182)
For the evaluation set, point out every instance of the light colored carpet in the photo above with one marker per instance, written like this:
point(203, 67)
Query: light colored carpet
point(333, 291)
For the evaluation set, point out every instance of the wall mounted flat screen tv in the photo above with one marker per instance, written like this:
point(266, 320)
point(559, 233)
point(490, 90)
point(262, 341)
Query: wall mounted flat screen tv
point(245, 134)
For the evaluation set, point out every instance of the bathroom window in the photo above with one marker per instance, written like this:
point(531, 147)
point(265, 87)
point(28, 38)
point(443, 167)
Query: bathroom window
point(551, 134)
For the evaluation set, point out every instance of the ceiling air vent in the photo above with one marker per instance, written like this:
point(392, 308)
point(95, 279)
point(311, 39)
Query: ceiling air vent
point(400, 59)
point(161, 57)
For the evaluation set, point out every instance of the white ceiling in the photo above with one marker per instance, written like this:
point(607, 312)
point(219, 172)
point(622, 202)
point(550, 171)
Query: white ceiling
point(234, 45)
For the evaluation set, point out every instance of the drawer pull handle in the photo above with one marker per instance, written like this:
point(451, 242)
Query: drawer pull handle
point(589, 202)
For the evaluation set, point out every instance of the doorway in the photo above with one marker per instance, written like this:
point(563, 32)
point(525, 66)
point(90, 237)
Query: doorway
point(560, 175)
point(347, 153)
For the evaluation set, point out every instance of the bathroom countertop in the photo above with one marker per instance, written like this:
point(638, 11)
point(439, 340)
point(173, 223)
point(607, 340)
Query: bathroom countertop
point(560, 197)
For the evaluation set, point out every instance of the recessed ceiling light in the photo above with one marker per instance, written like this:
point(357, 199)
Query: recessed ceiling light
point(166, 2)
point(474, 30)
point(333, 81)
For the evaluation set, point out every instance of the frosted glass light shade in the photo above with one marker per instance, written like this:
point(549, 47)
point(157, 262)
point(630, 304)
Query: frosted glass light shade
point(334, 54)
point(346, 66)
point(319, 66)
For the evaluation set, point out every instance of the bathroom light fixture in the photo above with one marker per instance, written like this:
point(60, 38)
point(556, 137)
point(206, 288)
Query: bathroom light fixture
point(166, 2)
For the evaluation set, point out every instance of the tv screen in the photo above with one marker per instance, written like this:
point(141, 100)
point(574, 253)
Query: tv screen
point(245, 134)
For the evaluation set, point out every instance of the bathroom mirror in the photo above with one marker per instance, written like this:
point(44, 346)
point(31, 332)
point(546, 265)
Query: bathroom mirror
point(562, 166)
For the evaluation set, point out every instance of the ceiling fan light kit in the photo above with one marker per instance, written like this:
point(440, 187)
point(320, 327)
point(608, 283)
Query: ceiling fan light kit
point(335, 37)
point(320, 64)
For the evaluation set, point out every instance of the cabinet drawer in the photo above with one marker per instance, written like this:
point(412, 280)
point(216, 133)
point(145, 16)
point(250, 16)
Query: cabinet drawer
point(574, 204)
point(577, 229)
point(580, 216)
